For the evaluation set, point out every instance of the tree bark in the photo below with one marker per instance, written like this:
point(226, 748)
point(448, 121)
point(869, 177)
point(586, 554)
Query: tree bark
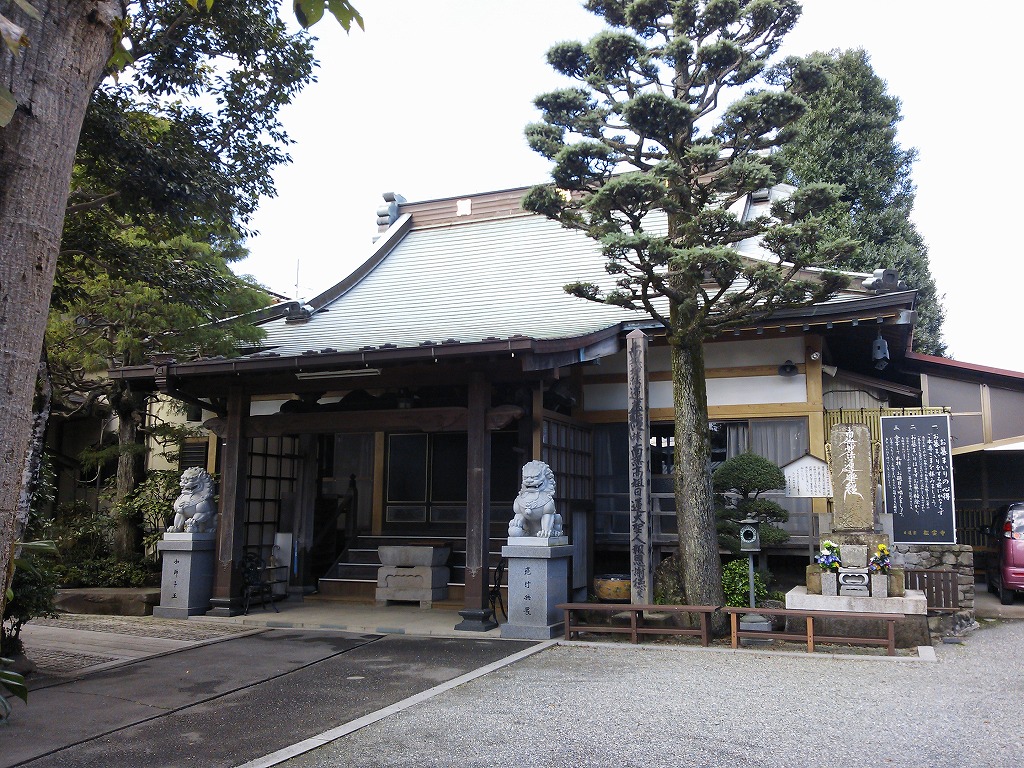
point(52, 80)
point(33, 470)
point(698, 535)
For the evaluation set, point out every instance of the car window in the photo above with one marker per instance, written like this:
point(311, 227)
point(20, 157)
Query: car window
point(1016, 520)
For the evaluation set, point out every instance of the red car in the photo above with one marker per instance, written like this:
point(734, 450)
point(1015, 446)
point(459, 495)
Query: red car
point(1006, 561)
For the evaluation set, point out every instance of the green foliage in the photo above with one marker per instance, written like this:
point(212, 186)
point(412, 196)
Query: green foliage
point(106, 572)
point(736, 584)
point(648, 97)
point(81, 533)
point(152, 501)
point(33, 588)
point(848, 136)
point(84, 539)
point(739, 481)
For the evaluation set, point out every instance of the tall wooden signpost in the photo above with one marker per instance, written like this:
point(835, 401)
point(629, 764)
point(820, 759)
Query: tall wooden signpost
point(641, 544)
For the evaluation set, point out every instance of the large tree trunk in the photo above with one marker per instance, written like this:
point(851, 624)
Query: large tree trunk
point(698, 535)
point(52, 80)
point(33, 471)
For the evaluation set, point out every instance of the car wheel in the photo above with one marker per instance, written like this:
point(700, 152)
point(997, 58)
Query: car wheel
point(1006, 596)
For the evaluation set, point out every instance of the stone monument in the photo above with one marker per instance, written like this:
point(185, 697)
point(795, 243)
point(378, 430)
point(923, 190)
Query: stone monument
point(188, 549)
point(538, 559)
point(852, 538)
point(853, 505)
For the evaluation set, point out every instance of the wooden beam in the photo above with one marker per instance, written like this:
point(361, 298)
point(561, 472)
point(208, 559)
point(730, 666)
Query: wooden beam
point(227, 576)
point(477, 612)
point(451, 419)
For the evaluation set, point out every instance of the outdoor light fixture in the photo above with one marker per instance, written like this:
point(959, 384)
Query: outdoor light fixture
point(880, 353)
point(346, 374)
point(788, 369)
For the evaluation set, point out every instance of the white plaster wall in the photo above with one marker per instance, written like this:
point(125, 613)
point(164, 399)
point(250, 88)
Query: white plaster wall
point(724, 354)
point(265, 407)
point(741, 390)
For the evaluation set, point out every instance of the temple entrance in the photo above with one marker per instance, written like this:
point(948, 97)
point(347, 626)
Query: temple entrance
point(344, 498)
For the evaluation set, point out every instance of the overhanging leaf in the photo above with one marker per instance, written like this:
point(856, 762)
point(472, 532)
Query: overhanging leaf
point(13, 34)
point(8, 106)
point(343, 11)
point(14, 683)
point(29, 9)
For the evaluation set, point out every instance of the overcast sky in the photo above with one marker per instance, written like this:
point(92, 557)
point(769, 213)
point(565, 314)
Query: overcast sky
point(430, 101)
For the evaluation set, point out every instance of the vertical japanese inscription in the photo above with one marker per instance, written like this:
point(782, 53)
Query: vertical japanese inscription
point(917, 471)
point(641, 552)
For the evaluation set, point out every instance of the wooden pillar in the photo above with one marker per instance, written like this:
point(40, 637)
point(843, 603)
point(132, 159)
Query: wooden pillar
point(477, 612)
point(227, 576)
point(641, 537)
point(305, 510)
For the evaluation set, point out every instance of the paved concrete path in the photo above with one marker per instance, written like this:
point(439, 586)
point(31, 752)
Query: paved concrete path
point(226, 703)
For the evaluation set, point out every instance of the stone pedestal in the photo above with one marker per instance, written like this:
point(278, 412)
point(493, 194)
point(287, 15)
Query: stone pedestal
point(910, 632)
point(186, 583)
point(829, 584)
point(879, 585)
point(413, 574)
point(538, 580)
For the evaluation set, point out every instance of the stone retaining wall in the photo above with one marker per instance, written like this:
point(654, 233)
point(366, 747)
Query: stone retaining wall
point(947, 557)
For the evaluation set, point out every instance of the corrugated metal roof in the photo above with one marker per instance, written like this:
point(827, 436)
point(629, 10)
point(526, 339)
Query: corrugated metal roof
point(469, 282)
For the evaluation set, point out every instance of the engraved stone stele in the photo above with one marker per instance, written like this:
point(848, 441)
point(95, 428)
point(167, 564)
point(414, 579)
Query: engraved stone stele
point(853, 485)
point(186, 583)
point(194, 509)
point(534, 518)
point(538, 581)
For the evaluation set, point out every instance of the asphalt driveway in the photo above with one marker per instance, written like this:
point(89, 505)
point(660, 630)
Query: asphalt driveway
point(230, 702)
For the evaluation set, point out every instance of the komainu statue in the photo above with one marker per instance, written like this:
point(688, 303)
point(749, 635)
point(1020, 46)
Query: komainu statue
point(534, 507)
point(194, 510)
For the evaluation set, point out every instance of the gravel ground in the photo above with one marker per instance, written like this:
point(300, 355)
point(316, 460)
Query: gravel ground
point(614, 705)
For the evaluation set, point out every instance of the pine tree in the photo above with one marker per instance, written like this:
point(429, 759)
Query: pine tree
point(848, 137)
point(649, 100)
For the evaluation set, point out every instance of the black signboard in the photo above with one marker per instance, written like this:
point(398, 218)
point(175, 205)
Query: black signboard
point(917, 478)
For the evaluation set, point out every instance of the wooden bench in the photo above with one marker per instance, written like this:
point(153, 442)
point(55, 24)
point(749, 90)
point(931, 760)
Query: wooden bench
point(809, 636)
point(637, 623)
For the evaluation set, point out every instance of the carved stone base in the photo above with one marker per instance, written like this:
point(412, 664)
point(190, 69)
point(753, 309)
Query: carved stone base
point(186, 583)
point(476, 620)
point(538, 580)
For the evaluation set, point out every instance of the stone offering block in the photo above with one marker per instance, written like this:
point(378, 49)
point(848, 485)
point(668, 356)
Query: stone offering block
point(414, 577)
point(854, 555)
point(416, 583)
point(413, 555)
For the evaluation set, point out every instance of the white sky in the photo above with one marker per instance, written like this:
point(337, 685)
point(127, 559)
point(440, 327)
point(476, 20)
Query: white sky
point(430, 102)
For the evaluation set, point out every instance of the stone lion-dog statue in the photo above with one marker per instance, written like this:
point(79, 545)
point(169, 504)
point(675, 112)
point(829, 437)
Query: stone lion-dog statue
point(534, 507)
point(194, 510)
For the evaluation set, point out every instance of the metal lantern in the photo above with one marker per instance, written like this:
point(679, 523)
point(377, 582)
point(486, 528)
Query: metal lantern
point(750, 535)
